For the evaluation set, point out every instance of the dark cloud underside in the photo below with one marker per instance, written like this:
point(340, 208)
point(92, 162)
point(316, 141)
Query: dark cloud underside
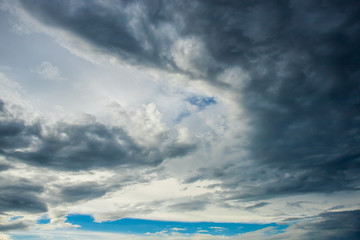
point(88, 190)
point(21, 195)
point(67, 146)
point(12, 226)
point(329, 226)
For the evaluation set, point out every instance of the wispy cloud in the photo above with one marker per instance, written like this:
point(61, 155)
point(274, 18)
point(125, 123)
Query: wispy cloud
point(48, 71)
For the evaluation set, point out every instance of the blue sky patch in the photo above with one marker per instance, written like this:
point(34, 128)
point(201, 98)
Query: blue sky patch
point(141, 226)
point(44, 220)
point(201, 102)
point(15, 218)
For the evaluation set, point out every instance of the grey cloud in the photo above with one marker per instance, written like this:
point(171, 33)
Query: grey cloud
point(193, 205)
point(302, 99)
point(337, 207)
point(70, 192)
point(72, 147)
point(4, 167)
point(338, 225)
point(24, 202)
point(107, 26)
point(13, 226)
point(301, 96)
point(257, 205)
point(139, 32)
point(82, 191)
point(259, 181)
point(21, 195)
point(302, 62)
point(326, 226)
point(84, 147)
point(297, 204)
point(67, 146)
point(13, 131)
point(330, 226)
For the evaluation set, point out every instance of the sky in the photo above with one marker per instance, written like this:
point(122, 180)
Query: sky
point(179, 119)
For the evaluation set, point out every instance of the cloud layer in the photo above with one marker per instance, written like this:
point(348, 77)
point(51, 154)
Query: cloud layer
point(287, 72)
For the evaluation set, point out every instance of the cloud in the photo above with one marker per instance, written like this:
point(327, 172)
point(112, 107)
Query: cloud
point(21, 195)
point(336, 225)
point(10, 90)
point(4, 237)
point(258, 205)
point(11, 227)
point(90, 144)
point(87, 191)
point(195, 205)
point(13, 131)
point(50, 72)
point(328, 225)
point(4, 167)
point(290, 70)
point(301, 90)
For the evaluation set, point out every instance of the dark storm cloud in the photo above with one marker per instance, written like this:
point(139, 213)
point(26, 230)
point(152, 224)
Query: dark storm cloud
point(329, 226)
point(20, 195)
point(303, 100)
point(259, 181)
point(301, 95)
point(67, 146)
point(326, 226)
point(107, 26)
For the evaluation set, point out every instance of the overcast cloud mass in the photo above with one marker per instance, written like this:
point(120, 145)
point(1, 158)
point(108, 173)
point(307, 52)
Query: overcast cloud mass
point(205, 111)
